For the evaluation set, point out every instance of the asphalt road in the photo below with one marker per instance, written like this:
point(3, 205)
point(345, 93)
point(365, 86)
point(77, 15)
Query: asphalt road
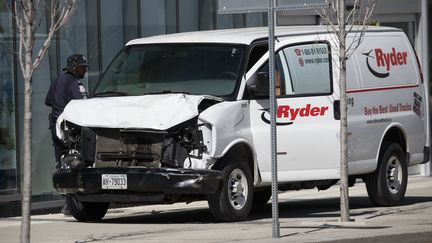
point(305, 216)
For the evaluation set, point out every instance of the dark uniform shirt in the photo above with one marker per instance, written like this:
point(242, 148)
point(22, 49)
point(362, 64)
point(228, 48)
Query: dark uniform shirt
point(66, 88)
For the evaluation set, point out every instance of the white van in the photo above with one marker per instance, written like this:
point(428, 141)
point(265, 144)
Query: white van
point(185, 117)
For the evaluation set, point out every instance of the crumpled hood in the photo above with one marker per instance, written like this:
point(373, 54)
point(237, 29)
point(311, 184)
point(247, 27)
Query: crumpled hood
point(158, 112)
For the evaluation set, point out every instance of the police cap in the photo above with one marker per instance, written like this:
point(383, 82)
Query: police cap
point(75, 60)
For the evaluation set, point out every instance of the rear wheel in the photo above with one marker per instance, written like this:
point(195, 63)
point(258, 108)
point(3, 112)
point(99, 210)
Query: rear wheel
point(86, 211)
point(233, 199)
point(387, 185)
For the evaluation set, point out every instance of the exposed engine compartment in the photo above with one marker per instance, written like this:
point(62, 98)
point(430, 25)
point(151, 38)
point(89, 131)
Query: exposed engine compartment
point(114, 147)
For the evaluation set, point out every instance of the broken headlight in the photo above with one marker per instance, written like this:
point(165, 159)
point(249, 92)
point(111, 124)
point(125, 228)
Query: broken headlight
point(71, 133)
point(191, 139)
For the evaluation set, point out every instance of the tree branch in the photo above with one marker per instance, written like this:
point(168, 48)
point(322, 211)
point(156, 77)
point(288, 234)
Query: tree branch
point(60, 14)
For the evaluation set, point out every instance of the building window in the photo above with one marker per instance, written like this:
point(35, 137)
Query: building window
point(153, 17)
point(73, 39)
point(111, 30)
point(8, 162)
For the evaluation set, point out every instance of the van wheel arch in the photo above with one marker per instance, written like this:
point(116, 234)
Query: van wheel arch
point(240, 149)
point(394, 134)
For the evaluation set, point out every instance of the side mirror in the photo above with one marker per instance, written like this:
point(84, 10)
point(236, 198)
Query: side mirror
point(258, 85)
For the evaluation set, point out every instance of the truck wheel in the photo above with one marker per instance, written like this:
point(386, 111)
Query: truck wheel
point(387, 185)
point(86, 211)
point(233, 199)
point(261, 196)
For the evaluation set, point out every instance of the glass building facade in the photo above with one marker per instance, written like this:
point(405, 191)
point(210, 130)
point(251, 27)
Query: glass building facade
point(99, 29)
point(8, 142)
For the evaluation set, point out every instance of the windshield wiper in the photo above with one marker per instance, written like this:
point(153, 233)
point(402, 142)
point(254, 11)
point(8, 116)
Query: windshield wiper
point(110, 93)
point(169, 92)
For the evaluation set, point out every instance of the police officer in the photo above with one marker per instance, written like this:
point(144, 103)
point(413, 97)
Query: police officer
point(66, 88)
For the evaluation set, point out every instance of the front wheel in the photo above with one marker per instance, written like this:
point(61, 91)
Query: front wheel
point(86, 211)
point(387, 185)
point(233, 199)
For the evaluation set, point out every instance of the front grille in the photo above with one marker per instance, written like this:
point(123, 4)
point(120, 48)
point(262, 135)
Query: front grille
point(115, 147)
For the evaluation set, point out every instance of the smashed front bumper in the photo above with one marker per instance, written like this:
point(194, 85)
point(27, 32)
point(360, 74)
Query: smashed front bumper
point(143, 184)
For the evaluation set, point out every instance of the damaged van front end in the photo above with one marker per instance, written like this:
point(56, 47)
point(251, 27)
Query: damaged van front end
point(118, 151)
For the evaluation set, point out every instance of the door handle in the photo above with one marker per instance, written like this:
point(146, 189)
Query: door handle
point(336, 109)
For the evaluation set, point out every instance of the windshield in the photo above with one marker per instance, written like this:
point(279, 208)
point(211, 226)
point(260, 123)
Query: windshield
point(193, 69)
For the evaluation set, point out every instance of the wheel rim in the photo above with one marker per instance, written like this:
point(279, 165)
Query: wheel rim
point(394, 174)
point(237, 189)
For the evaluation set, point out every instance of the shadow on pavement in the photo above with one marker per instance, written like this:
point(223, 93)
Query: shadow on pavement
point(324, 209)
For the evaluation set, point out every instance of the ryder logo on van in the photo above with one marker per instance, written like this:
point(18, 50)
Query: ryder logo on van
point(385, 60)
point(285, 112)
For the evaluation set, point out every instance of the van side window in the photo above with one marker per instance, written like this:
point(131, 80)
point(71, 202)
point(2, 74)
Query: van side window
point(280, 73)
point(308, 68)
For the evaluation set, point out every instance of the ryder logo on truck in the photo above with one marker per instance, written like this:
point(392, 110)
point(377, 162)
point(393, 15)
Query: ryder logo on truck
point(290, 114)
point(384, 61)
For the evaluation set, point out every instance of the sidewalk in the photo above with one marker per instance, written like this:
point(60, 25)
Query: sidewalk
point(305, 216)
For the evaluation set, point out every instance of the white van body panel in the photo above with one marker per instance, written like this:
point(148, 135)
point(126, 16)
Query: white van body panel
point(390, 98)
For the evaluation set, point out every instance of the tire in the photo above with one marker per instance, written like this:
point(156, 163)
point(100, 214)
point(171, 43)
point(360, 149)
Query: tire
point(261, 197)
point(233, 199)
point(387, 185)
point(86, 211)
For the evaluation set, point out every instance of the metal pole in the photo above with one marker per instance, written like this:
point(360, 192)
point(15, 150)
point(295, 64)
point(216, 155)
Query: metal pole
point(425, 170)
point(273, 105)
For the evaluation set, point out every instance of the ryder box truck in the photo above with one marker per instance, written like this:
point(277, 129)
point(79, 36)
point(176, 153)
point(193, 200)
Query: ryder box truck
point(184, 117)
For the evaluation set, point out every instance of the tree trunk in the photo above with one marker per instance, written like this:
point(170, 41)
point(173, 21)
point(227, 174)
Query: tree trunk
point(27, 168)
point(27, 163)
point(344, 197)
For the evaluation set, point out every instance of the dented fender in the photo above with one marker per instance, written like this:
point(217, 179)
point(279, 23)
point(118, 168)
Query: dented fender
point(230, 125)
point(229, 121)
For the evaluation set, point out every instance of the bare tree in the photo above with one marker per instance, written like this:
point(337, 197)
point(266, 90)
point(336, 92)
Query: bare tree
point(341, 21)
point(28, 15)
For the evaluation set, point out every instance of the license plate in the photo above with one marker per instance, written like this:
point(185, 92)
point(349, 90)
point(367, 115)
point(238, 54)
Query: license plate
point(114, 181)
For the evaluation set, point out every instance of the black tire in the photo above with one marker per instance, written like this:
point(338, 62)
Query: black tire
point(233, 199)
point(387, 185)
point(86, 211)
point(261, 196)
